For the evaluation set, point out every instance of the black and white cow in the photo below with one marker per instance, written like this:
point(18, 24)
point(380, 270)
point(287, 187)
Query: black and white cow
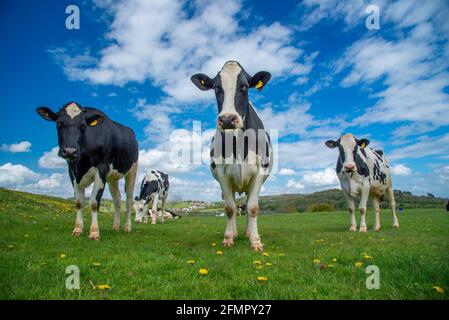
point(366, 173)
point(97, 150)
point(154, 187)
point(241, 153)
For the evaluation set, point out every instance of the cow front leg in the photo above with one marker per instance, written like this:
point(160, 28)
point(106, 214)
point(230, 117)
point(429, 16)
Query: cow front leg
point(362, 208)
point(115, 193)
point(154, 210)
point(164, 200)
point(79, 201)
point(253, 211)
point(351, 209)
point(95, 199)
point(130, 181)
point(376, 208)
point(230, 211)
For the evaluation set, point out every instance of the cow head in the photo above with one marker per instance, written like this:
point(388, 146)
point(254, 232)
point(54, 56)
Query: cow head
point(231, 90)
point(140, 207)
point(348, 145)
point(72, 122)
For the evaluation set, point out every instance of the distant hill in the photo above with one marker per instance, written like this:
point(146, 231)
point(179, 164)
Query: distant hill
point(334, 200)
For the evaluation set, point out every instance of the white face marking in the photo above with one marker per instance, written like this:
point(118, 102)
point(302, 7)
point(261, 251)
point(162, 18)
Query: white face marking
point(228, 76)
point(348, 143)
point(139, 207)
point(72, 110)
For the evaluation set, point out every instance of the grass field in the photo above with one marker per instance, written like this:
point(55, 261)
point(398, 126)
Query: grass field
point(151, 262)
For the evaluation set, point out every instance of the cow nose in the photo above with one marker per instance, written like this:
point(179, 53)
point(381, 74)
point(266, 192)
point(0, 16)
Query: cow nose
point(227, 121)
point(69, 152)
point(349, 167)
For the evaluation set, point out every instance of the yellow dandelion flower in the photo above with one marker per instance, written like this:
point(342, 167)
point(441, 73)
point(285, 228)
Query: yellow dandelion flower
point(316, 261)
point(358, 264)
point(190, 261)
point(268, 264)
point(265, 254)
point(213, 244)
point(262, 278)
point(62, 256)
point(257, 262)
point(368, 257)
point(96, 264)
point(438, 289)
point(103, 287)
point(219, 253)
point(330, 265)
point(334, 260)
point(203, 271)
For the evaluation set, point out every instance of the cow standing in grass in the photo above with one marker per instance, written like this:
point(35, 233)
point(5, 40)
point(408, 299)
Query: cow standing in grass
point(154, 187)
point(366, 173)
point(97, 150)
point(241, 154)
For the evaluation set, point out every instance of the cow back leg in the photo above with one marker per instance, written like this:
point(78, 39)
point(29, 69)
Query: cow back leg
point(376, 208)
point(154, 210)
point(115, 194)
point(164, 201)
point(130, 181)
point(230, 211)
point(393, 206)
point(351, 209)
point(362, 207)
point(95, 199)
point(253, 212)
point(79, 202)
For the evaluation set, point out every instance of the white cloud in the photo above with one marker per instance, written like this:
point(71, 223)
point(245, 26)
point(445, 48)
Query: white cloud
point(401, 170)
point(12, 175)
point(424, 146)
point(23, 146)
point(51, 160)
point(286, 172)
point(323, 178)
point(291, 183)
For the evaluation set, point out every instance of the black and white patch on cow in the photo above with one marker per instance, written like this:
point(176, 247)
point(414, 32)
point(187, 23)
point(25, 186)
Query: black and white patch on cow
point(241, 151)
point(363, 172)
point(154, 187)
point(99, 151)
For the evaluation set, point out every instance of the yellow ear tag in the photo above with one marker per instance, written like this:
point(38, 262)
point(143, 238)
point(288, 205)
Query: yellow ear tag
point(93, 123)
point(259, 84)
point(363, 145)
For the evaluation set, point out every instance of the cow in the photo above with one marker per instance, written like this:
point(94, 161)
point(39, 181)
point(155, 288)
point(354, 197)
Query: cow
point(154, 187)
point(366, 173)
point(245, 165)
point(97, 150)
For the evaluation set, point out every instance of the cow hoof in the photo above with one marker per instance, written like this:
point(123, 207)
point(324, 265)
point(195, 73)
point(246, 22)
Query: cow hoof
point(116, 227)
point(396, 225)
point(363, 229)
point(128, 229)
point(76, 233)
point(228, 242)
point(353, 228)
point(377, 228)
point(257, 246)
point(94, 236)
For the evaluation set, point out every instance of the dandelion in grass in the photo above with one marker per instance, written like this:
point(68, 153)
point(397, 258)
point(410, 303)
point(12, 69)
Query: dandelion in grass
point(62, 256)
point(257, 262)
point(358, 264)
point(268, 264)
point(219, 253)
point(103, 287)
point(438, 289)
point(190, 261)
point(96, 264)
point(316, 261)
point(281, 254)
point(213, 244)
point(368, 257)
point(203, 271)
point(265, 254)
point(334, 260)
point(262, 278)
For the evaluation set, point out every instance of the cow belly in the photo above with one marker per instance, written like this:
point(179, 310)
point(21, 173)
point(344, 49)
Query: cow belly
point(240, 176)
point(377, 189)
point(114, 175)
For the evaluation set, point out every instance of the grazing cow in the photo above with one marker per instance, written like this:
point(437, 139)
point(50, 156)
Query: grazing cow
point(365, 172)
point(97, 150)
point(154, 187)
point(241, 153)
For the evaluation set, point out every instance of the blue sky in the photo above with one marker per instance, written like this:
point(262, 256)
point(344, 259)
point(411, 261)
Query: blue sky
point(133, 60)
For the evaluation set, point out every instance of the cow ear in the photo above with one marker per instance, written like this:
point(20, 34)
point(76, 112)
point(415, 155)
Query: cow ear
point(46, 113)
point(362, 143)
point(95, 120)
point(331, 143)
point(259, 80)
point(202, 81)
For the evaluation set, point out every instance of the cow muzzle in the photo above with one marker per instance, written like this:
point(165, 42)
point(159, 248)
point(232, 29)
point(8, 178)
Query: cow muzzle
point(350, 167)
point(68, 152)
point(226, 122)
